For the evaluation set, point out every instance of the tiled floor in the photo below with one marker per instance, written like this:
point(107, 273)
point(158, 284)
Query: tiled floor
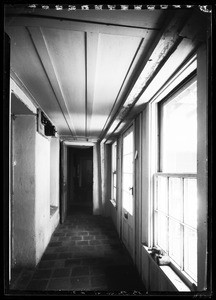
point(84, 254)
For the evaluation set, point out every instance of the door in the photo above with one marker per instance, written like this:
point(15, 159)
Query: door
point(83, 177)
point(128, 218)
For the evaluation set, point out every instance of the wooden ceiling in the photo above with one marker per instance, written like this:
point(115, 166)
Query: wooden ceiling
point(80, 66)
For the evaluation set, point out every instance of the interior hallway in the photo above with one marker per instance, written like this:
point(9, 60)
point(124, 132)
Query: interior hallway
point(84, 254)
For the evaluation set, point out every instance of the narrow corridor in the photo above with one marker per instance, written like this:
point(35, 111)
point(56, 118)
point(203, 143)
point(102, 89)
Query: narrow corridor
point(84, 254)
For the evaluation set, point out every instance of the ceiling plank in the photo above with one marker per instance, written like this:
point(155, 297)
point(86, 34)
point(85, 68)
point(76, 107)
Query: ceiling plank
point(91, 64)
point(42, 49)
point(38, 21)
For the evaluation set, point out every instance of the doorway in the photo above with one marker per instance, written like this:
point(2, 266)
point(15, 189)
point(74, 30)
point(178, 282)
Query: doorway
point(80, 179)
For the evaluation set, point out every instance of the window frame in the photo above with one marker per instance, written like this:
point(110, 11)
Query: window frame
point(158, 172)
point(113, 172)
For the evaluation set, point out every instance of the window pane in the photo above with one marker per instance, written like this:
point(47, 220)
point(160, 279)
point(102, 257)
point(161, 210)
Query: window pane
point(127, 182)
point(114, 193)
point(179, 135)
point(190, 252)
point(175, 241)
point(190, 202)
point(128, 163)
point(128, 202)
point(162, 231)
point(114, 180)
point(162, 194)
point(128, 143)
point(176, 198)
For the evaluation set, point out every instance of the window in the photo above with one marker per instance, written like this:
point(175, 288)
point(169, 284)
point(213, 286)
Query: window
point(175, 192)
point(113, 179)
point(128, 171)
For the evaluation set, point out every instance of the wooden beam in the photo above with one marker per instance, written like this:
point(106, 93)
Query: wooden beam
point(160, 49)
point(76, 25)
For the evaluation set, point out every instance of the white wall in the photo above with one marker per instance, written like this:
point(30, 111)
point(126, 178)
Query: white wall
point(54, 171)
point(35, 185)
point(42, 188)
point(23, 198)
point(47, 190)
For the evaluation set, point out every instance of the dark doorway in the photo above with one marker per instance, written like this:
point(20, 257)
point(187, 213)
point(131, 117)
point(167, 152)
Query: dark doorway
point(80, 179)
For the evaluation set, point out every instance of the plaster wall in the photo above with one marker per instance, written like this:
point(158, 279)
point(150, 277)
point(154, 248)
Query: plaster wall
point(23, 191)
point(54, 172)
point(42, 189)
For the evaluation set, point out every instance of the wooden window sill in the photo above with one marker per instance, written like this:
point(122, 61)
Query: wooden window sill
point(170, 274)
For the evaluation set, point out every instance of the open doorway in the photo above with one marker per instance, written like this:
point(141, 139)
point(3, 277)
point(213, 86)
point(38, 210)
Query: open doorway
point(80, 179)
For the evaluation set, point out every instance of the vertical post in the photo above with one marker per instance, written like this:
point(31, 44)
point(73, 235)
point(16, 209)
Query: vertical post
point(7, 161)
point(202, 165)
point(97, 201)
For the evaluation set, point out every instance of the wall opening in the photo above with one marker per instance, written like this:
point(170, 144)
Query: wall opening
point(80, 179)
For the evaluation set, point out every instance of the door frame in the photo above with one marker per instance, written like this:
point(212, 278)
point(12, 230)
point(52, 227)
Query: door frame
point(63, 201)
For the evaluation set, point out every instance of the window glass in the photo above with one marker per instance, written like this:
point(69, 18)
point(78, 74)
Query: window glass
point(190, 202)
point(190, 252)
point(179, 132)
point(175, 241)
point(162, 197)
point(176, 198)
point(127, 171)
point(114, 158)
point(162, 230)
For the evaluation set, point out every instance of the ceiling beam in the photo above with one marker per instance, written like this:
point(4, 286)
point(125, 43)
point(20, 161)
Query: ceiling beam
point(40, 44)
point(152, 60)
point(76, 25)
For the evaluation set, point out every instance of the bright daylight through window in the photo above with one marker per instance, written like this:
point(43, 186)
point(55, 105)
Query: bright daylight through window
point(175, 201)
point(113, 179)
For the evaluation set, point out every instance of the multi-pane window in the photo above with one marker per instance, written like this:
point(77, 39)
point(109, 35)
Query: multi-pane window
point(175, 201)
point(127, 170)
point(114, 157)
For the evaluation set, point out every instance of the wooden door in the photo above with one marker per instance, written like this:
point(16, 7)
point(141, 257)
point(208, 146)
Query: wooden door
point(128, 218)
point(64, 179)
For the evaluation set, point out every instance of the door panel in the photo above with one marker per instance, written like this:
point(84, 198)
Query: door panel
point(128, 233)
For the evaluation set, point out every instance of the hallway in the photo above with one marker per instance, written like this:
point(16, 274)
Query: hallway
point(84, 254)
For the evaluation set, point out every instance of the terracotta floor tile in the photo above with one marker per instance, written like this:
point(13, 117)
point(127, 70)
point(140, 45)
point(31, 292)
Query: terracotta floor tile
point(84, 254)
